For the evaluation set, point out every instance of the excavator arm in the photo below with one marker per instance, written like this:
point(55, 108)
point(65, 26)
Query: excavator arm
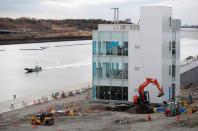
point(148, 81)
point(141, 98)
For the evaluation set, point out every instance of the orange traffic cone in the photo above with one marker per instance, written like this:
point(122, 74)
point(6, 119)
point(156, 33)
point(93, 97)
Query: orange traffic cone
point(178, 118)
point(35, 125)
point(41, 111)
point(87, 96)
point(39, 101)
point(188, 118)
point(34, 102)
point(149, 117)
point(16, 124)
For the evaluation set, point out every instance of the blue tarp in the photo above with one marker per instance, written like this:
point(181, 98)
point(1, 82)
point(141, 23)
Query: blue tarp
point(182, 109)
point(111, 44)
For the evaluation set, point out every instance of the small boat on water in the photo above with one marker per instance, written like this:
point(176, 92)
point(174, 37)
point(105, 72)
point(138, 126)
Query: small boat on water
point(36, 69)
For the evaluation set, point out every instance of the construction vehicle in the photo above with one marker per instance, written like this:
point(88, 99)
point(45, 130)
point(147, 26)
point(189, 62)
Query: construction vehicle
point(42, 118)
point(143, 97)
point(172, 109)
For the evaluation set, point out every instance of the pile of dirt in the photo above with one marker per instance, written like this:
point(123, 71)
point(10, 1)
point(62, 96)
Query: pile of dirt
point(140, 109)
point(132, 109)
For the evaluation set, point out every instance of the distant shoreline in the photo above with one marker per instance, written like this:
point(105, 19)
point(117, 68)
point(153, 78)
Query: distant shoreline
point(43, 40)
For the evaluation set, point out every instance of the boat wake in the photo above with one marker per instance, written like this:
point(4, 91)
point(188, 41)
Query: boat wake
point(78, 64)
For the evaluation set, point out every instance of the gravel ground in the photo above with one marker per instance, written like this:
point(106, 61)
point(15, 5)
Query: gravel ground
point(94, 117)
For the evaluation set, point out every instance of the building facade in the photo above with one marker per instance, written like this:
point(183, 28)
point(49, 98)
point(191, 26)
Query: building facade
point(124, 55)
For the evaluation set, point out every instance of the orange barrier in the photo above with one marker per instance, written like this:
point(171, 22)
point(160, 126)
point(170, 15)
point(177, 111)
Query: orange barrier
point(34, 102)
point(63, 95)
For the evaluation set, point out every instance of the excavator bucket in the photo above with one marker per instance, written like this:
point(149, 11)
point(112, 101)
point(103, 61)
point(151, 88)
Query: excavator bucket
point(160, 94)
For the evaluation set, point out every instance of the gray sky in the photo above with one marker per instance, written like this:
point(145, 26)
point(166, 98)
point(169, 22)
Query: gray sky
point(186, 10)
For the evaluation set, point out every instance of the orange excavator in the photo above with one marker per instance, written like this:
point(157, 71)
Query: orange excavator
point(143, 97)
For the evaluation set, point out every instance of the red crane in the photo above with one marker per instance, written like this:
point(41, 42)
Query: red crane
point(144, 95)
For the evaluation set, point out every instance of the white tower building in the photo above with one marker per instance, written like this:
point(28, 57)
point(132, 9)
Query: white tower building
point(124, 55)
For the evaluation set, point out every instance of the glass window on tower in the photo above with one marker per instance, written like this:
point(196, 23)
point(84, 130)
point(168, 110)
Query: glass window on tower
point(108, 48)
point(99, 48)
point(125, 48)
point(116, 70)
point(125, 71)
point(174, 36)
point(103, 48)
point(116, 93)
point(94, 69)
point(108, 70)
point(94, 47)
point(116, 48)
point(99, 70)
point(104, 92)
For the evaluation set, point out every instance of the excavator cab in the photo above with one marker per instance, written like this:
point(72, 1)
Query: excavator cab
point(146, 97)
point(139, 100)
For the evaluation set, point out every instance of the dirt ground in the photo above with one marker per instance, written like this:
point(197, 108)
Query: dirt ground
point(94, 117)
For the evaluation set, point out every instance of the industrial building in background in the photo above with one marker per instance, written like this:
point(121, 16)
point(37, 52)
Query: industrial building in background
point(124, 55)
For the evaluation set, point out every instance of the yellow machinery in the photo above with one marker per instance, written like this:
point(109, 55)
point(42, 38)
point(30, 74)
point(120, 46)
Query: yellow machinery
point(42, 118)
